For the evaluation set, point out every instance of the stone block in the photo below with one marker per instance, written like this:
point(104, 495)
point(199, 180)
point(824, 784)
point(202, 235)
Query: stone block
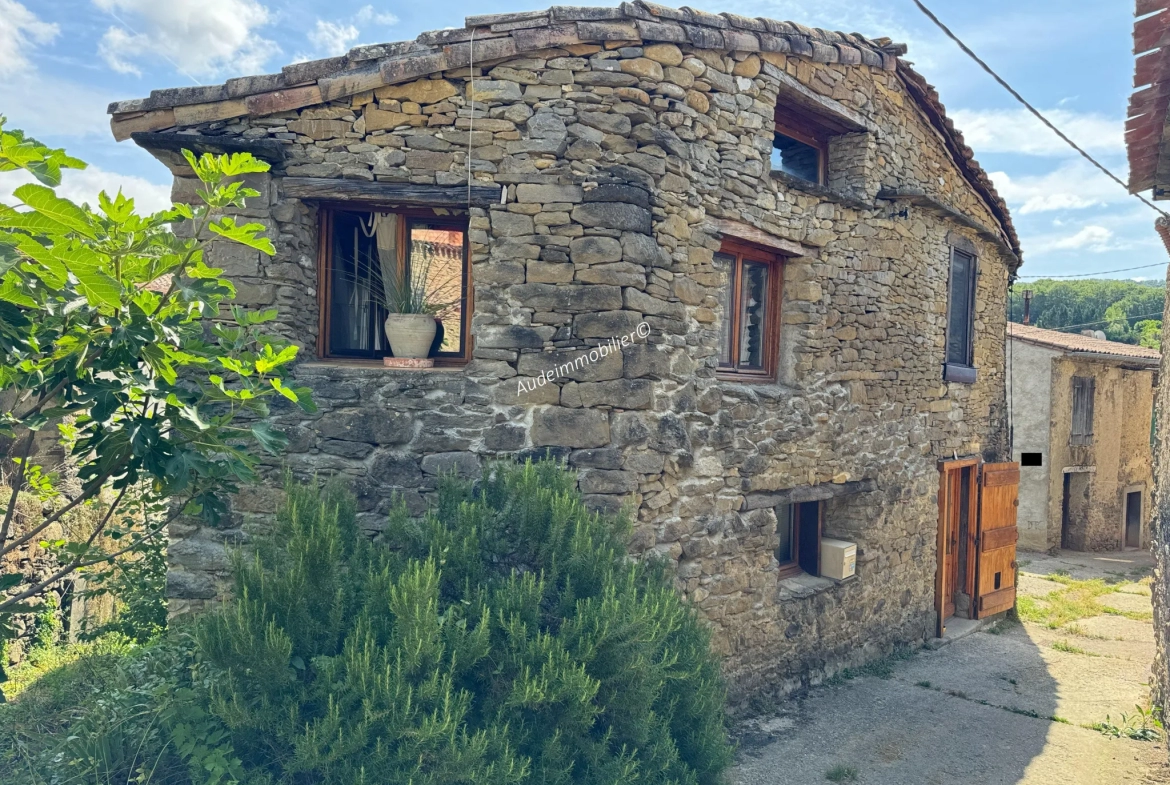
point(504, 438)
point(547, 194)
point(505, 224)
point(567, 299)
point(394, 470)
point(367, 426)
point(320, 130)
point(234, 259)
point(594, 250)
point(613, 215)
point(643, 68)
point(489, 90)
point(586, 365)
point(606, 122)
point(598, 458)
point(549, 272)
point(461, 464)
point(606, 324)
point(512, 337)
point(642, 360)
point(665, 54)
point(559, 427)
point(423, 91)
point(618, 394)
point(636, 300)
point(381, 120)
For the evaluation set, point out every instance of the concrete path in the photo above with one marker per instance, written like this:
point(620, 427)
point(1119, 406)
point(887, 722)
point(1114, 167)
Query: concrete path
point(1006, 705)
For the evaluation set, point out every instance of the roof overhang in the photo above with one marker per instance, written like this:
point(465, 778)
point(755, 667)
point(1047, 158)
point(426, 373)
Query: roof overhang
point(1146, 138)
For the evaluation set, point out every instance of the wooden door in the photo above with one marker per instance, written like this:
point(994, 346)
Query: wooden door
point(995, 566)
point(955, 505)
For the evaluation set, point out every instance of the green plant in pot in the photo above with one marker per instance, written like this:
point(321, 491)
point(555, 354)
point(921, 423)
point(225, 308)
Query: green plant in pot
point(419, 288)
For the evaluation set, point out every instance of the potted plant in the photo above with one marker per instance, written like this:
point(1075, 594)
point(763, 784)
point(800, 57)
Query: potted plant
point(417, 299)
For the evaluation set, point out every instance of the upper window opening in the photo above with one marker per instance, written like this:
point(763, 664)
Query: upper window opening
point(749, 343)
point(1082, 410)
point(377, 262)
point(800, 149)
point(960, 360)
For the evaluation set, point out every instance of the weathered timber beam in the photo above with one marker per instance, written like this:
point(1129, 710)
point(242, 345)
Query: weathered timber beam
point(265, 149)
point(327, 189)
point(807, 493)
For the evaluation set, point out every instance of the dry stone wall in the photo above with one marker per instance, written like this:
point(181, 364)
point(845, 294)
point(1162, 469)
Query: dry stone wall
point(622, 166)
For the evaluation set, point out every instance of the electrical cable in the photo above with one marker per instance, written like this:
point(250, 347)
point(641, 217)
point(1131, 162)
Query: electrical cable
point(1033, 109)
point(1099, 272)
point(1125, 318)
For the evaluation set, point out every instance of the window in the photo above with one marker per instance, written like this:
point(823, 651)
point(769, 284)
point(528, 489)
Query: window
point(751, 312)
point(799, 529)
point(1082, 410)
point(960, 360)
point(800, 148)
point(363, 249)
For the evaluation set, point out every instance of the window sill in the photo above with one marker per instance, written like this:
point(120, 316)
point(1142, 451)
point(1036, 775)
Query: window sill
point(803, 586)
point(816, 189)
point(963, 374)
point(372, 366)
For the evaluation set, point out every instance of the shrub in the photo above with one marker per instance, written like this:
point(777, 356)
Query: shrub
point(504, 638)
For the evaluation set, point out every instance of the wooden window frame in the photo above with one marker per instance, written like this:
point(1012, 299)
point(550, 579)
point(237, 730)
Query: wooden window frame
point(792, 567)
point(1084, 437)
point(325, 213)
point(952, 371)
point(808, 132)
point(753, 253)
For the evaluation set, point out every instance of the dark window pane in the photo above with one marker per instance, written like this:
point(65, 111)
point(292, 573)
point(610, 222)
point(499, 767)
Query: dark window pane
point(753, 314)
point(355, 285)
point(727, 262)
point(436, 263)
point(959, 326)
point(785, 527)
point(808, 515)
point(796, 158)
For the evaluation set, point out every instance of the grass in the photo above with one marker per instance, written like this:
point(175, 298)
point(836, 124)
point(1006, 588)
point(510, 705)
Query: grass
point(883, 668)
point(1068, 648)
point(841, 773)
point(1077, 600)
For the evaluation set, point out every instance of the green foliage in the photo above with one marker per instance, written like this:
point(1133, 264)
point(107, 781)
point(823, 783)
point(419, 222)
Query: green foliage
point(138, 586)
point(47, 624)
point(1126, 311)
point(116, 336)
point(504, 638)
point(1142, 725)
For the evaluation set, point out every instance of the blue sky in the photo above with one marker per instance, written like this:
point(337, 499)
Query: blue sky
point(62, 61)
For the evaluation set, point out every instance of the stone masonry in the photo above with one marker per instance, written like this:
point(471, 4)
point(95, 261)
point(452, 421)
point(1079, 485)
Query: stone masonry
point(624, 145)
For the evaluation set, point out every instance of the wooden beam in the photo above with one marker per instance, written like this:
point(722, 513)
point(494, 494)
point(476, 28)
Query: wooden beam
point(268, 150)
point(932, 204)
point(833, 113)
point(328, 189)
point(751, 234)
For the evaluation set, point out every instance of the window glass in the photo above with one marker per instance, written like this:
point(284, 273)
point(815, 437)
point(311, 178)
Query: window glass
point(785, 527)
point(809, 536)
point(753, 309)
point(356, 312)
point(961, 302)
point(796, 158)
point(728, 262)
point(436, 258)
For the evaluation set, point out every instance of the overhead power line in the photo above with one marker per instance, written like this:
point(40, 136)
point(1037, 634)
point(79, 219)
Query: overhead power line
point(1103, 321)
point(1033, 109)
point(1099, 272)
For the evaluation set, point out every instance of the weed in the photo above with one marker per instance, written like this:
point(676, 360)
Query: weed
point(1081, 632)
point(1061, 720)
point(1068, 648)
point(923, 684)
point(1077, 600)
point(841, 773)
point(1024, 712)
point(1142, 725)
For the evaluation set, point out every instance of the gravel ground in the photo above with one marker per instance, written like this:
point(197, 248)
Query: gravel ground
point(988, 708)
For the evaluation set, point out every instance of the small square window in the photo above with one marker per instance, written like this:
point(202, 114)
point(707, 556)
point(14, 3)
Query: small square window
point(799, 529)
point(800, 149)
point(751, 310)
point(363, 249)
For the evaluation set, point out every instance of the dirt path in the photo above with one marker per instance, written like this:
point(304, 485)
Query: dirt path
point(1013, 704)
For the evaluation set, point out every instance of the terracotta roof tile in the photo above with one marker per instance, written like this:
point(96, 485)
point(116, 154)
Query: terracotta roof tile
point(1075, 342)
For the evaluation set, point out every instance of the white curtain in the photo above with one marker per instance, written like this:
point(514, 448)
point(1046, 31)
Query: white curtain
point(383, 227)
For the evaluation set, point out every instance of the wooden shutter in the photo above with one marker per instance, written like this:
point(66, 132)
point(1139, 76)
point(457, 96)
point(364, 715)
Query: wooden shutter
point(995, 570)
point(1082, 410)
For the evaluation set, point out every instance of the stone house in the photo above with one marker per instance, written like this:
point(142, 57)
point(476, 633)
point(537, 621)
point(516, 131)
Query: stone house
point(1082, 408)
point(742, 274)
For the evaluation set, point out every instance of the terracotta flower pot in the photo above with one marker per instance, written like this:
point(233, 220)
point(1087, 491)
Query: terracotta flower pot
point(410, 334)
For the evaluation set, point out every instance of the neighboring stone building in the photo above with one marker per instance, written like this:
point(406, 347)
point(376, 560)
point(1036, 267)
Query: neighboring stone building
point(1084, 408)
point(633, 171)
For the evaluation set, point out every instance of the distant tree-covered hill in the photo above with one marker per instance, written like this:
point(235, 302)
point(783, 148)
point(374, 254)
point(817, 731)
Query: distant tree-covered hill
point(1128, 311)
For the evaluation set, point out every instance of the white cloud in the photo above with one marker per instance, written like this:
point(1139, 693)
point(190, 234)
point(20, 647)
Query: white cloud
point(1090, 238)
point(333, 38)
point(21, 30)
point(1075, 185)
point(367, 14)
point(198, 37)
point(1018, 131)
point(84, 185)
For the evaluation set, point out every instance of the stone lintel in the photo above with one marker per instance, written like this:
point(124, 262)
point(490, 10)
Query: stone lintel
point(806, 493)
point(831, 112)
point(329, 189)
